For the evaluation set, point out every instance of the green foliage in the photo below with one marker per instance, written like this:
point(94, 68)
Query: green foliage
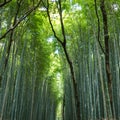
point(36, 83)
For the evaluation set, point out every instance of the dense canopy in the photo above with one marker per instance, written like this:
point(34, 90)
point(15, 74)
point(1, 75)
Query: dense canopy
point(59, 60)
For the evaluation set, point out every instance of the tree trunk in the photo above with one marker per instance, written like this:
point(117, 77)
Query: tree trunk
point(75, 87)
point(63, 44)
point(106, 41)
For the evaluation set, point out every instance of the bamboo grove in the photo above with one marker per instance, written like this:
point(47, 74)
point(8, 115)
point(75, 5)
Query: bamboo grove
point(59, 60)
